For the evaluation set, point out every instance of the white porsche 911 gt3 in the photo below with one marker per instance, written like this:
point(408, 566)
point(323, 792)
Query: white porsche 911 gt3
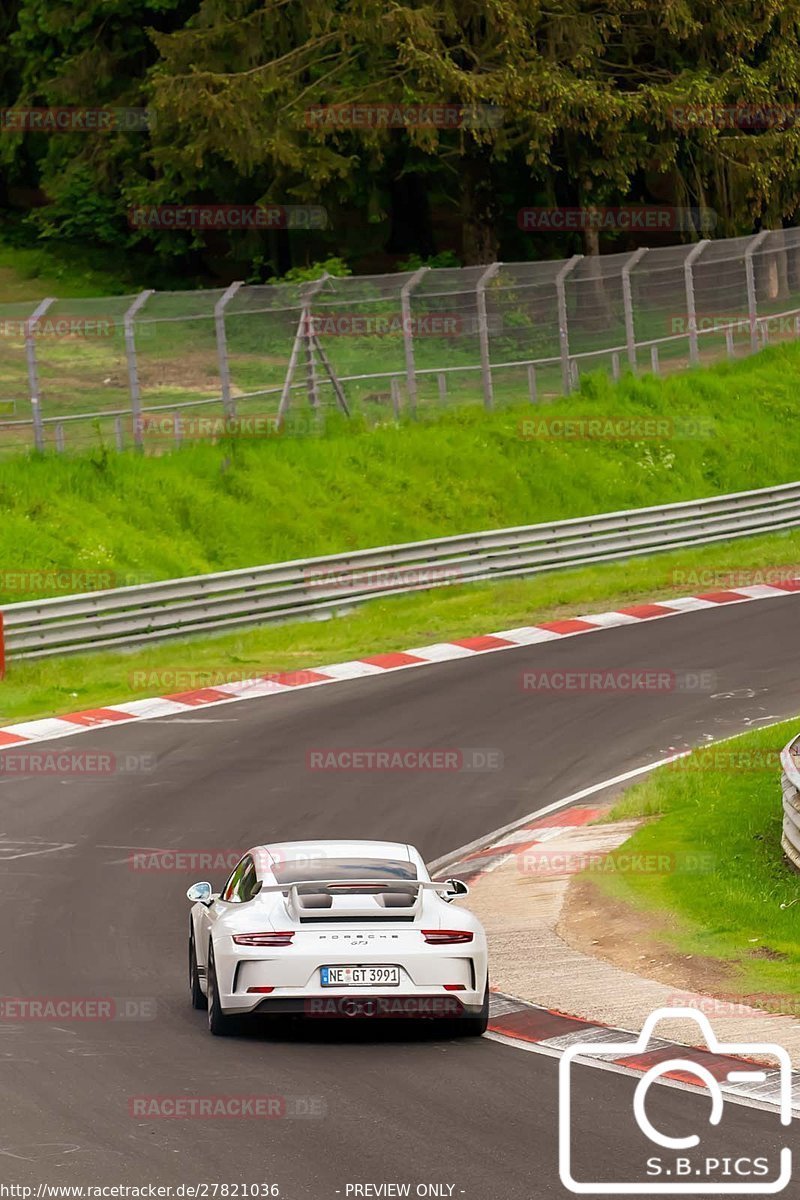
point(337, 928)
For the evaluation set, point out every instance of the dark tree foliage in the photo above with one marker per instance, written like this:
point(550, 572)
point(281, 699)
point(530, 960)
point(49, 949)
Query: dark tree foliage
point(568, 103)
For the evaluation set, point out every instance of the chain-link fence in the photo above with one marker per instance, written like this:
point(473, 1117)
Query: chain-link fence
point(161, 368)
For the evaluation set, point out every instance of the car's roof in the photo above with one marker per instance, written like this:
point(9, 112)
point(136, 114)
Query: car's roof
point(335, 847)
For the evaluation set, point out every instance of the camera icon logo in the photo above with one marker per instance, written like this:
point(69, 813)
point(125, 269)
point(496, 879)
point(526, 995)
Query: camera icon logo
point(677, 1171)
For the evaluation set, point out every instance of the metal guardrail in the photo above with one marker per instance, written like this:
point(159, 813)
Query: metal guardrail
point(790, 785)
point(317, 588)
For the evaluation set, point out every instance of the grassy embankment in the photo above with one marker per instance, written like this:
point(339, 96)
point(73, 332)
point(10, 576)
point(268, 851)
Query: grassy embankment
point(731, 902)
point(210, 507)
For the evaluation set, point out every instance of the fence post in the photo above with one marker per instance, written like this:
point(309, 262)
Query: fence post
point(752, 300)
point(691, 311)
point(133, 373)
point(222, 347)
point(627, 301)
point(408, 337)
point(308, 340)
point(563, 325)
point(394, 385)
point(483, 333)
point(33, 370)
point(532, 393)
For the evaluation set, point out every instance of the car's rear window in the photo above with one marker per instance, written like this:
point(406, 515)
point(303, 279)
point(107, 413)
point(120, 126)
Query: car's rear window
point(311, 869)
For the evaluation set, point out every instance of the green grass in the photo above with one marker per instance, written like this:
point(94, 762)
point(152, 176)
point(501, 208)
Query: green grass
point(239, 503)
point(50, 686)
point(729, 896)
point(108, 519)
point(30, 274)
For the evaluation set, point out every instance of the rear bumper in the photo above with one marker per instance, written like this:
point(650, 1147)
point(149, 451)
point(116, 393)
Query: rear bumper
point(386, 1007)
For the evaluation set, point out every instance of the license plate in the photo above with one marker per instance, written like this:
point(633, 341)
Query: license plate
point(360, 976)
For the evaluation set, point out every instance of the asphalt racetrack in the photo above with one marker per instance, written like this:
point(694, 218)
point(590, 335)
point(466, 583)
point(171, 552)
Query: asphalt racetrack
point(371, 1105)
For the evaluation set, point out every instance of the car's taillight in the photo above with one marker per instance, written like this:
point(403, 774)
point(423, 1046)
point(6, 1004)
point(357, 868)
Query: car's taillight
point(264, 939)
point(453, 987)
point(443, 937)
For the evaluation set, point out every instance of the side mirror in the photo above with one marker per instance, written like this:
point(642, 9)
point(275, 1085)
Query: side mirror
point(456, 887)
point(199, 893)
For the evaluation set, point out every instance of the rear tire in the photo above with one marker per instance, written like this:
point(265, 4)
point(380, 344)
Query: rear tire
point(219, 1024)
point(472, 1026)
point(198, 999)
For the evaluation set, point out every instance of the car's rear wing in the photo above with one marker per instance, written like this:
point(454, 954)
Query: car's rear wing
point(321, 893)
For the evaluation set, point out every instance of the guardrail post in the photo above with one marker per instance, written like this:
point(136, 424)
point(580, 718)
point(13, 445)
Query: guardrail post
point(483, 334)
point(627, 302)
point(790, 788)
point(691, 311)
point(408, 336)
point(563, 322)
point(752, 300)
point(33, 370)
point(133, 371)
point(222, 347)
